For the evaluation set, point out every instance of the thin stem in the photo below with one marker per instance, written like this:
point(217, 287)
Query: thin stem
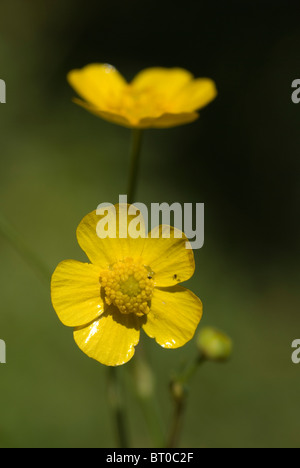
point(177, 423)
point(187, 375)
point(116, 403)
point(151, 415)
point(179, 391)
point(143, 385)
point(148, 404)
point(137, 137)
point(10, 234)
point(114, 390)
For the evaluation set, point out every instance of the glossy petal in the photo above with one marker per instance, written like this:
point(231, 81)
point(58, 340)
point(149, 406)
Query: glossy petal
point(168, 258)
point(107, 251)
point(174, 317)
point(100, 84)
point(75, 293)
point(111, 340)
point(196, 95)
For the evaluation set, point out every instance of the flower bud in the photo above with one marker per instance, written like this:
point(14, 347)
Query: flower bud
point(214, 345)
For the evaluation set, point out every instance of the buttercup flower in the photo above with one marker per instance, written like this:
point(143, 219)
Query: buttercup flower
point(131, 283)
point(157, 97)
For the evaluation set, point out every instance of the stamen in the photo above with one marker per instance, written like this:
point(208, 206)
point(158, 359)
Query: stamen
point(128, 286)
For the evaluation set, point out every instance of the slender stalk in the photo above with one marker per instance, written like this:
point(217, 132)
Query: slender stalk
point(142, 384)
point(189, 373)
point(147, 401)
point(114, 390)
point(116, 404)
point(179, 391)
point(151, 415)
point(177, 423)
point(10, 234)
point(137, 137)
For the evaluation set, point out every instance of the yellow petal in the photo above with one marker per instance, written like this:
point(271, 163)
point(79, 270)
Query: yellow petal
point(100, 84)
point(156, 98)
point(174, 317)
point(164, 81)
point(195, 95)
point(168, 258)
point(106, 115)
point(168, 120)
point(107, 251)
point(111, 339)
point(75, 293)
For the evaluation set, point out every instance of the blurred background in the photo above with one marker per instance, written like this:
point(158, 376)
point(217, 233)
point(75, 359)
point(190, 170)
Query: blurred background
point(57, 163)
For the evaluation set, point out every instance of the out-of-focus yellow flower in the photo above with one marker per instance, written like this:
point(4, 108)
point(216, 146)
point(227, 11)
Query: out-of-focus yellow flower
point(130, 284)
point(157, 97)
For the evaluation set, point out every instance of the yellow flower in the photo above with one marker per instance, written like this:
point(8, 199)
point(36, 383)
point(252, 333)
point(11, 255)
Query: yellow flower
point(157, 97)
point(131, 283)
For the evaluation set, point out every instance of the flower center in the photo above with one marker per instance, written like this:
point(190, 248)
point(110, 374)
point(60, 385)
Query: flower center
point(141, 103)
point(129, 286)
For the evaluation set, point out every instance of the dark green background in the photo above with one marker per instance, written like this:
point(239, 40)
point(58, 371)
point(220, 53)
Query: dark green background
point(241, 159)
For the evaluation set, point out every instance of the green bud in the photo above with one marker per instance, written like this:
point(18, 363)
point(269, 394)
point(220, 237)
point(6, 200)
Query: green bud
point(214, 345)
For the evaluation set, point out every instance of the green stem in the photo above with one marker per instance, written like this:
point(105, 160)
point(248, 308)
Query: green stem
point(114, 390)
point(143, 386)
point(10, 234)
point(116, 403)
point(147, 402)
point(151, 415)
point(177, 424)
point(187, 375)
point(137, 137)
point(179, 391)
